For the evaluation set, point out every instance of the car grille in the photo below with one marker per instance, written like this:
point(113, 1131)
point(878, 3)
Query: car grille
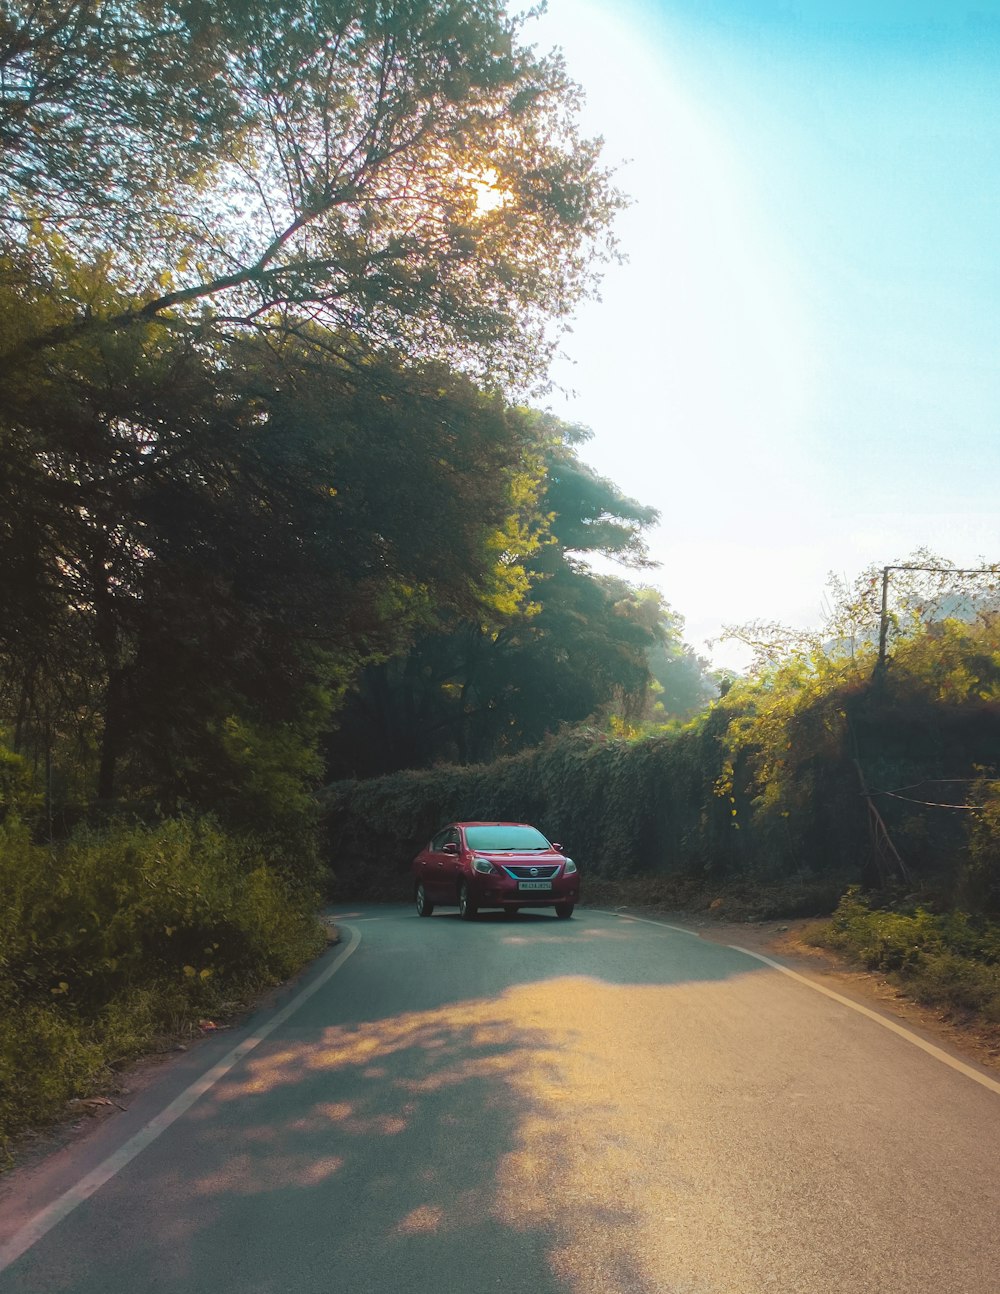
point(530, 872)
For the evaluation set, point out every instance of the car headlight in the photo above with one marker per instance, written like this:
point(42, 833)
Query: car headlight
point(483, 866)
point(569, 867)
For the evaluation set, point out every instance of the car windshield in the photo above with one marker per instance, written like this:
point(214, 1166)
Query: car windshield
point(501, 837)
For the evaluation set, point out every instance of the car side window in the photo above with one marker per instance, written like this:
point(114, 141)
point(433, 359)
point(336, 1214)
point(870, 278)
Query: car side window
point(439, 840)
point(451, 837)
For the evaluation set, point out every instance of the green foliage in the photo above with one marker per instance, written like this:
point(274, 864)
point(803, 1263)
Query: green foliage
point(186, 547)
point(883, 939)
point(923, 590)
point(123, 933)
point(46, 1058)
point(474, 688)
point(245, 167)
point(682, 684)
point(983, 873)
point(798, 732)
point(20, 794)
point(589, 513)
point(265, 776)
point(762, 786)
point(947, 959)
point(116, 907)
point(787, 770)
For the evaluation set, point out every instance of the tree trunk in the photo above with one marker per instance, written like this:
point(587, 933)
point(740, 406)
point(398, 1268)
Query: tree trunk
point(111, 736)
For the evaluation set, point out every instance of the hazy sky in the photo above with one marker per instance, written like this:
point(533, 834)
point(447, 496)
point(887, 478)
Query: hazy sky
point(799, 364)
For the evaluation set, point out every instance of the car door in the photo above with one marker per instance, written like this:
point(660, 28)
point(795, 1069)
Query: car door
point(452, 869)
point(433, 872)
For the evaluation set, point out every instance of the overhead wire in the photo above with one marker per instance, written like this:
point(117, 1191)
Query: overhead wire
point(933, 804)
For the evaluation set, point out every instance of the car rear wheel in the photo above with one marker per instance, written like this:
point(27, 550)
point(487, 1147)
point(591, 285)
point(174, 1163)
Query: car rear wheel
point(424, 906)
point(564, 911)
point(467, 910)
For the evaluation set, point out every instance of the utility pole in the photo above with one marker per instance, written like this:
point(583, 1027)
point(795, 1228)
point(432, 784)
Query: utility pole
point(883, 627)
point(883, 624)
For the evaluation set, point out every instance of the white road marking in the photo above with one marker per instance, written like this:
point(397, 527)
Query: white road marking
point(47, 1218)
point(951, 1061)
point(627, 916)
point(936, 1052)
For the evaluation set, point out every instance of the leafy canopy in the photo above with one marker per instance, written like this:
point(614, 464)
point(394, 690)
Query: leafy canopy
point(183, 541)
point(472, 687)
point(408, 174)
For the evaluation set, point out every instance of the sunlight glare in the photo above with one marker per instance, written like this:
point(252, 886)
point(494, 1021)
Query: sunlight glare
point(720, 344)
point(489, 195)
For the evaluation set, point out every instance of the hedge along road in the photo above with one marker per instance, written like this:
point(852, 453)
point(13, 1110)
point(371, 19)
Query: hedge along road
point(598, 1106)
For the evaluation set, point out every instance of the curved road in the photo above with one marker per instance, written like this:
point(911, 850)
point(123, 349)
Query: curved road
point(598, 1106)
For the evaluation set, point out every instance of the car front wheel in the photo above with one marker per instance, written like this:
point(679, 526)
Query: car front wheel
point(467, 910)
point(564, 911)
point(424, 906)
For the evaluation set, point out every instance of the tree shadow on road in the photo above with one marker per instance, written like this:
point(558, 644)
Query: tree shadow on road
point(475, 1143)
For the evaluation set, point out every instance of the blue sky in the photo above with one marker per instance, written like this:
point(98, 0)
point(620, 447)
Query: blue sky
point(800, 364)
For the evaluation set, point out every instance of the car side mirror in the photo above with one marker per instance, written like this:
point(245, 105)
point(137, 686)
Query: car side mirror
point(557, 847)
point(449, 848)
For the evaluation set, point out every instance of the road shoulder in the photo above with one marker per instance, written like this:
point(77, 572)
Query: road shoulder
point(968, 1037)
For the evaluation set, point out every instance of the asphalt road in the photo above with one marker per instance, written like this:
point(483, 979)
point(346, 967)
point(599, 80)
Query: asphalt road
point(599, 1106)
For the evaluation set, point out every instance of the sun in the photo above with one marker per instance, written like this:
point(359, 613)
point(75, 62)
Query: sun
point(489, 195)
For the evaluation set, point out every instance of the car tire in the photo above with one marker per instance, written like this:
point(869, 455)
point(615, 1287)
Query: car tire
point(424, 906)
point(564, 911)
point(511, 913)
point(467, 910)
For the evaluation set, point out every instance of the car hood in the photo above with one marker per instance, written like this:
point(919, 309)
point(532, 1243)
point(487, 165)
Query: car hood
point(547, 857)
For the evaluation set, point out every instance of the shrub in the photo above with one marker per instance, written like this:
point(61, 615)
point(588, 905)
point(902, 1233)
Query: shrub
point(882, 940)
point(950, 980)
point(126, 932)
point(762, 786)
point(46, 1057)
point(950, 959)
point(983, 872)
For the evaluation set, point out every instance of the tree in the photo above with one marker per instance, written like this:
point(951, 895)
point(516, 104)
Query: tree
point(408, 175)
point(477, 687)
point(682, 680)
point(260, 265)
point(187, 543)
point(107, 108)
point(589, 513)
point(923, 589)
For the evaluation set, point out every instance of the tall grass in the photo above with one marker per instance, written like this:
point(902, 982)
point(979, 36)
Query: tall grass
point(948, 959)
point(125, 933)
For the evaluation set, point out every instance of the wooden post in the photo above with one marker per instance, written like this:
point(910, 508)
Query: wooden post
point(883, 624)
point(882, 845)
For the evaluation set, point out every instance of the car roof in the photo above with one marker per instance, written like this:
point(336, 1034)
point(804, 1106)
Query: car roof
point(492, 822)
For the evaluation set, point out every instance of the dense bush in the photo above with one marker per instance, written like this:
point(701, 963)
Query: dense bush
point(123, 933)
point(983, 876)
point(621, 808)
point(946, 959)
point(765, 785)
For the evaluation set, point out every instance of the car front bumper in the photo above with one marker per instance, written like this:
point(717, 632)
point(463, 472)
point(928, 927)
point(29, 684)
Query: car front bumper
point(504, 892)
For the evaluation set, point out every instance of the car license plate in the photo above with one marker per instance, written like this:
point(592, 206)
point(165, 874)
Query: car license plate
point(534, 885)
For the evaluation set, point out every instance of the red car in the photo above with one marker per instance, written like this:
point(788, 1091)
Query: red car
point(506, 865)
